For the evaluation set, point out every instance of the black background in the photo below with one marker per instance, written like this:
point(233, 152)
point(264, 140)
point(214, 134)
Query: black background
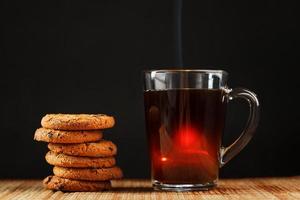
point(87, 57)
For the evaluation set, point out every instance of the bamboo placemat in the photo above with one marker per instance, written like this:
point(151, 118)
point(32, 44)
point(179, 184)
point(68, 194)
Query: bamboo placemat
point(258, 188)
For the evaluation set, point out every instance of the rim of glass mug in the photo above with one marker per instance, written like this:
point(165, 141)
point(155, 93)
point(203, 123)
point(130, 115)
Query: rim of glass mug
point(155, 79)
point(208, 71)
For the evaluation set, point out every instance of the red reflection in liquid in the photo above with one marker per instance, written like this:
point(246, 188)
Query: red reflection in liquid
point(188, 146)
point(185, 157)
point(163, 159)
point(190, 140)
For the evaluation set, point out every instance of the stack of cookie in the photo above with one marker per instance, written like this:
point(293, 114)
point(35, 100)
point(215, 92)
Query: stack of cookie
point(82, 159)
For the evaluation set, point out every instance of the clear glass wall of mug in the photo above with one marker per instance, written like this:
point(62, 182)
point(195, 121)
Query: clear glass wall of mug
point(185, 115)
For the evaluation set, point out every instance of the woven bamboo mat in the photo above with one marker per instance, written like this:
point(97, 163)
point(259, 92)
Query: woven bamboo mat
point(258, 188)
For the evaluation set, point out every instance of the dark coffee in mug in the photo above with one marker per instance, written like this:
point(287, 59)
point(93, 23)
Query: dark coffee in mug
point(184, 129)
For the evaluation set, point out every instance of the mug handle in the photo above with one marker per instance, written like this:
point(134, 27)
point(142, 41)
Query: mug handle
point(227, 153)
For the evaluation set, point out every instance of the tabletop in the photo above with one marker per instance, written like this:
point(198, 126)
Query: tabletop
point(253, 188)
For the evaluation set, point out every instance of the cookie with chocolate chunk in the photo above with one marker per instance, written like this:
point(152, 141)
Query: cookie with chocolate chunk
point(77, 121)
point(63, 184)
point(93, 174)
point(103, 148)
point(58, 136)
point(63, 160)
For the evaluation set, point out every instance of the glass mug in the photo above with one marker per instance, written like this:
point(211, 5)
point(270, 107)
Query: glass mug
point(185, 117)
